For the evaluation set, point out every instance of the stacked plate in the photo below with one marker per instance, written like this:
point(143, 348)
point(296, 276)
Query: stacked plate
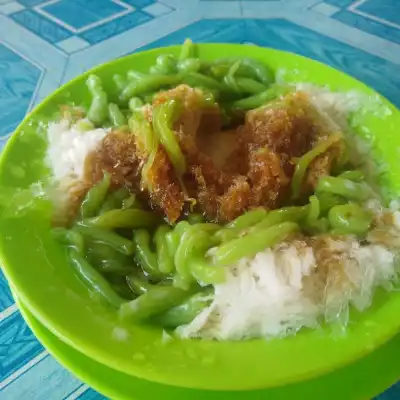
point(135, 361)
point(361, 380)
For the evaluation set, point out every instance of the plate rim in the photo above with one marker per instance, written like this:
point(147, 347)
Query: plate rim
point(106, 389)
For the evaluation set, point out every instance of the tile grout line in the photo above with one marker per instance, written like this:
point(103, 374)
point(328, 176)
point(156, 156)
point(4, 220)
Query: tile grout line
point(125, 42)
point(26, 367)
point(8, 311)
point(14, 31)
point(371, 44)
point(77, 392)
point(39, 9)
point(374, 18)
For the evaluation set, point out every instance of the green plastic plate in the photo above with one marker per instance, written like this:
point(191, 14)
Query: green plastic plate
point(38, 269)
point(362, 380)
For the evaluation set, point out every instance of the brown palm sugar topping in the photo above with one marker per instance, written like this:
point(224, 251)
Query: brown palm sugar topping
point(228, 172)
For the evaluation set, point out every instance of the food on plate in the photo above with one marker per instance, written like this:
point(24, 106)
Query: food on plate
point(212, 199)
